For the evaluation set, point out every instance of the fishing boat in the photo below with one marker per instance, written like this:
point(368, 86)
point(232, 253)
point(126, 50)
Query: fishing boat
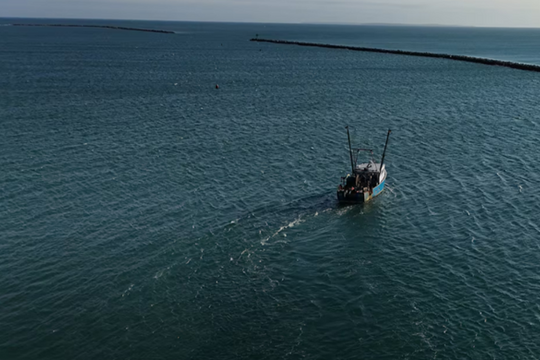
point(366, 179)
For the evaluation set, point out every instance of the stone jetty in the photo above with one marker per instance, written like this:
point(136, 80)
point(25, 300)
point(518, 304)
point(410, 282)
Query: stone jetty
point(471, 59)
point(99, 26)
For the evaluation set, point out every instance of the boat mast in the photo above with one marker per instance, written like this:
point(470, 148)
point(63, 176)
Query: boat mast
point(384, 152)
point(350, 149)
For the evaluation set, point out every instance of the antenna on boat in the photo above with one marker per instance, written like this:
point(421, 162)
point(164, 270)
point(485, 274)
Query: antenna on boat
point(350, 149)
point(384, 152)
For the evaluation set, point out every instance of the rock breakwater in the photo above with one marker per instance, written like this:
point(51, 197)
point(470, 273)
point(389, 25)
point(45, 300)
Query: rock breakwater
point(472, 59)
point(99, 26)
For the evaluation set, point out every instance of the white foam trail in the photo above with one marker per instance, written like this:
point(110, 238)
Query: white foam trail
point(343, 211)
point(290, 225)
point(128, 290)
point(158, 274)
point(241, 254)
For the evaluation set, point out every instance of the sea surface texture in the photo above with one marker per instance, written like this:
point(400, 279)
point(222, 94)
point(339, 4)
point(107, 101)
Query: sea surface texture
point(145, 214)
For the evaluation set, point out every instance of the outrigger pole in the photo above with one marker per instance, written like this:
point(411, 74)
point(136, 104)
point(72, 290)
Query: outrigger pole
point(385, 145)
point(350, 149)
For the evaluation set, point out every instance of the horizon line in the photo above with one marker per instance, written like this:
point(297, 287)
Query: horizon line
point(281, 23)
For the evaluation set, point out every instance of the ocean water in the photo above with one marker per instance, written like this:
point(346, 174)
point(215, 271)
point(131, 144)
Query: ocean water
point(145, 214)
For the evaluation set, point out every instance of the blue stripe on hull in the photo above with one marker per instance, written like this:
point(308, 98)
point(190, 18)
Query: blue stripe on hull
point(379, 188)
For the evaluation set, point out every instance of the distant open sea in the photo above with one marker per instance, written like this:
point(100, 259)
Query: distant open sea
point(145, 214)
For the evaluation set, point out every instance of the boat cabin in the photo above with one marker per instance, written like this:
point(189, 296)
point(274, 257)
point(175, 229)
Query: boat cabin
point(366, 180)
point(365, 175)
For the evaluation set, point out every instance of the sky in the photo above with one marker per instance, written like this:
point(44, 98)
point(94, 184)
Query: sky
point(494, 13)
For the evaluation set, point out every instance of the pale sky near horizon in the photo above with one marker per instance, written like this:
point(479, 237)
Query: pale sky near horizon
point(496, 13)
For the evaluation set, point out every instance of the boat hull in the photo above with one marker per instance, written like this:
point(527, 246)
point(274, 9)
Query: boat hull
point(359, 198)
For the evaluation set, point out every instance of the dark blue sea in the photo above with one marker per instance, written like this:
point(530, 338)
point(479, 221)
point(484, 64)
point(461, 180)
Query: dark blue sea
point(145, 214)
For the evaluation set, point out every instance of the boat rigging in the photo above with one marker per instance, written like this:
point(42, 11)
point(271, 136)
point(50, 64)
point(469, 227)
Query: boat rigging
point(366, 180)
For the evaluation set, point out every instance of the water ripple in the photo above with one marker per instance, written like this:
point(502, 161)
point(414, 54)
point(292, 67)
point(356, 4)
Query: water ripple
point(144, 213)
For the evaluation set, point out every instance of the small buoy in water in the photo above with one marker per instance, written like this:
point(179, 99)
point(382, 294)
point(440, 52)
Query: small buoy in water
point(217, 86)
